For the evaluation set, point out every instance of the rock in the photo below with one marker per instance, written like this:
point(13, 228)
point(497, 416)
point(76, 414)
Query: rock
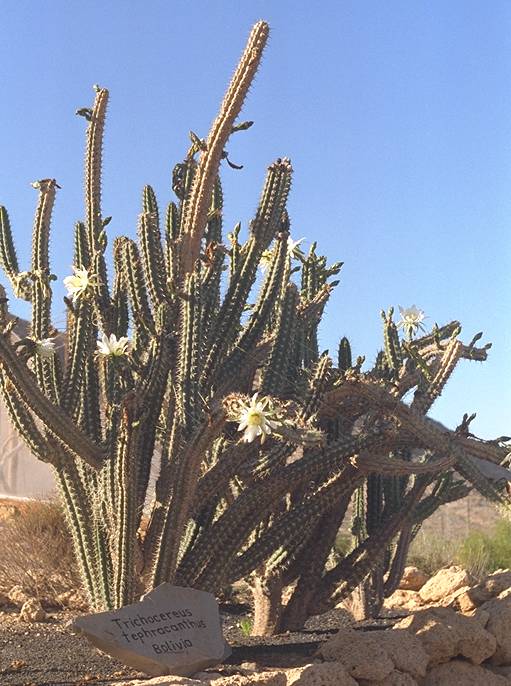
point(326, 674)
point(444, 583)
point(499, 625)
point(405, 651)
point(18, 596)
point(445, 634)
point(468, 599)
point(72, 600)
point(497, 582)
point(172, 630)
point(162, 681)
point(413, 579)
point(395, 678)
point(361, 654)
point(462, 673)
point(32, 611)
point(406, 600)
point(4, 599)
point(503, 670)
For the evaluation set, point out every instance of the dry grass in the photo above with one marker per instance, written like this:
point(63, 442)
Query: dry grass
point(35, 549)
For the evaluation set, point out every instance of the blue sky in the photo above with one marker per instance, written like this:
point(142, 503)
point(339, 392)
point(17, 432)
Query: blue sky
point(396, 116)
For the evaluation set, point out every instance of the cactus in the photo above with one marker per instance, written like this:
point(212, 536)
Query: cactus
point(259, 442)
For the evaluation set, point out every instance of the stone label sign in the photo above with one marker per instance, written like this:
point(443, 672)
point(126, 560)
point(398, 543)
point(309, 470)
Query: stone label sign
point(172, 630)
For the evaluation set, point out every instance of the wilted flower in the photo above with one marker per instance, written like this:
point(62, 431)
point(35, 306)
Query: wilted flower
point(79, 282)
point(45, 348)
point(116, 347)
point(411, 320)
point(255, 419)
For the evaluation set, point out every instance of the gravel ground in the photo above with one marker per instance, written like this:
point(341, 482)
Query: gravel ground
point(48, 654)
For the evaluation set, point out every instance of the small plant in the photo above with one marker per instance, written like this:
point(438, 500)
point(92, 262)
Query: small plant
point(482, 553)
point(246, 626)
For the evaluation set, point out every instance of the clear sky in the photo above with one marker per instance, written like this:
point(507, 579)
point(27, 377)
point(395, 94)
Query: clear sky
point(396, 116)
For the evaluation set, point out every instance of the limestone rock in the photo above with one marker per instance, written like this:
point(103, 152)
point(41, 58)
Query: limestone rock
point(413, 579)
point(499, 625)
point(395, 678)
point(445, 634)
point(72, 600)
point(273, 678)
point(406, 600)
point(361, 654)
point(444, 583)
point(497, 582)
point(464, 674)
point(468, 599)
point(32, 611)
point(405, 651)
point(18, 596)
point(162, 681)
point(326, 674)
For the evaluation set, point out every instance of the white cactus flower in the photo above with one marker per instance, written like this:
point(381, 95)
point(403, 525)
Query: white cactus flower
point(79, 282)
point(411, 320)
point(254, 419)
point(293, 249)
point(116, 347)
point(45, 348)
point(265, 260)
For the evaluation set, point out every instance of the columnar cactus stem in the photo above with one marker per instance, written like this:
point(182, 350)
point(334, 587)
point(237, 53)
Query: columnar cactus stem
point(207, 169)
point(256, 440)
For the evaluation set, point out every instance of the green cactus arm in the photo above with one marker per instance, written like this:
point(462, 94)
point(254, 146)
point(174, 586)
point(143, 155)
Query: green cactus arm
point(268, 297)
point(397, 565)
point(319, 383)
point(126, 504)
point(81, 340)
point(214, 225)
point(318, 502)
point(190, 354)
point(211, 279)
point(54, 419)
point(344, 355)
point(8, 257)
point(22, 420)
point(196, 207)
point(310, 565)
point(41, 231)
point(185, 479)
point(423, 401)
point(79, 516)
point(153, 261)
point(41, 292)
point(252, 505)
point(225, 327)
point(278, 361)
point(368, 463)
point(392, 349)
point(353, 569)
point(81, 246)
point(135, 284)
point(93, 164)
